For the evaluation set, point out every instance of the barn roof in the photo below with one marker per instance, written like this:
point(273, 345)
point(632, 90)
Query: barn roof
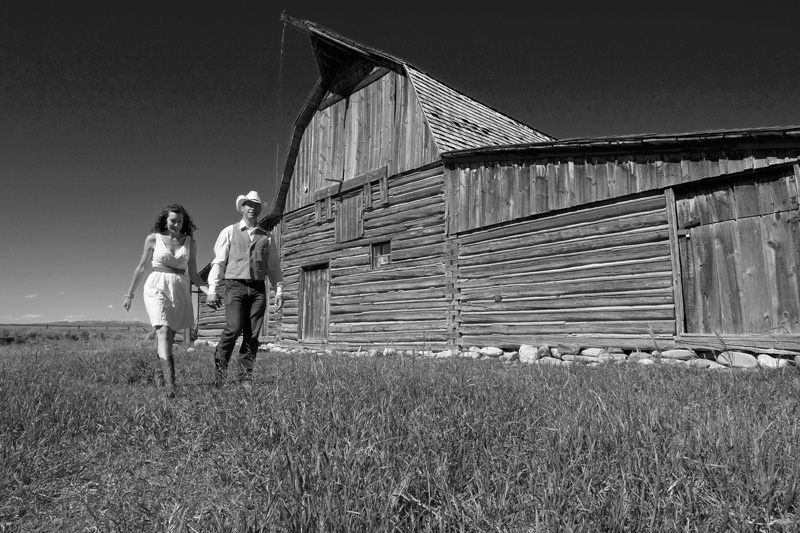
point(640, 143)
point(459, 122)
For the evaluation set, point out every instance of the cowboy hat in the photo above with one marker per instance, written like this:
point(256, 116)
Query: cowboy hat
point(252, 196)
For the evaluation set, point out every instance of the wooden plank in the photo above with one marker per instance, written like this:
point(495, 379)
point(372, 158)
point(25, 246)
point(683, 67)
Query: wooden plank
point(594, 314)
point(523, 186)
point(582, 216)
point(584, 301)
point(545, 247)
point(388, 339)
point(387, 286)
point(781, 241)
point(757, 308)
point(538, 189)
point(722, 203)
point(393, 315)
point(389, 306)
point(727, 279)
point(599, 272)
point(552, 288)
point(784, 193)
point(432, 294)
point(417, 327)
point(605, 327)
point(569, 259)
point(386, 274)
point(674, 253)
point(708, 297)
point(367, 196)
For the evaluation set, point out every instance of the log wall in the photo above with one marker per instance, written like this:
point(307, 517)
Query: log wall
point(401, 304)
point(380, 125)
point(598, 276)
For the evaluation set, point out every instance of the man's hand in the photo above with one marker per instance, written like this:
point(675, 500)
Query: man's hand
point(212, 300)
point(278, 300)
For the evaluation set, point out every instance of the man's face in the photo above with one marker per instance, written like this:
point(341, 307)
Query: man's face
point(251, 209)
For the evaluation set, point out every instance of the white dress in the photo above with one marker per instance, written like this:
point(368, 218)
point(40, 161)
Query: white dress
point(167, 296)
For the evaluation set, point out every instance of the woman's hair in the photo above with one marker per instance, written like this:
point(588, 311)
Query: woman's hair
point(160, 225)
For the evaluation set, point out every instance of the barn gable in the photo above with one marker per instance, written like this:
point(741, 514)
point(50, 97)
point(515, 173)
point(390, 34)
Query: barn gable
point(363, 85)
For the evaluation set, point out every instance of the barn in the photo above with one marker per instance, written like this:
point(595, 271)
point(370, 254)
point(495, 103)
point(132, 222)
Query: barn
point(412, 216)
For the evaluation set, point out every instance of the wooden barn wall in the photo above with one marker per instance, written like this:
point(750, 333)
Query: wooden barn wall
point(380, 125)
point(400, 304)
point(597, 276)
point(481, 194)
point(739, 248)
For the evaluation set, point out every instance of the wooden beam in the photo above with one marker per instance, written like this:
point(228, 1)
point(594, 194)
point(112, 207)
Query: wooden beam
point(677, 285)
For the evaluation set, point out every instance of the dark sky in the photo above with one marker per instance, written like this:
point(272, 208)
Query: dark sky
point(109, 113)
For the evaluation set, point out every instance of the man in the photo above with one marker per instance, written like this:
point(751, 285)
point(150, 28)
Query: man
point(244, 255)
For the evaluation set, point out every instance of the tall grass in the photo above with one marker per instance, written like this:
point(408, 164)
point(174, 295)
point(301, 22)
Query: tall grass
point(331, 443)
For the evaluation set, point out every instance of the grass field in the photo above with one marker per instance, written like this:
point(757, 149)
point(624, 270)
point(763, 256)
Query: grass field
point(333, 443)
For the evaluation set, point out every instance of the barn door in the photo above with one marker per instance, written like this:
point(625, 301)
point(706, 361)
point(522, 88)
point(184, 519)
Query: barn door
point(313, 313)
point(739, 254)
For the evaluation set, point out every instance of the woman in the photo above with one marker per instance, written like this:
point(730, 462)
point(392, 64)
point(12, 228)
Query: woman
point(167, 294)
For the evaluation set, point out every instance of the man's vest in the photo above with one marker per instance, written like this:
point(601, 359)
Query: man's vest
point(247, 259)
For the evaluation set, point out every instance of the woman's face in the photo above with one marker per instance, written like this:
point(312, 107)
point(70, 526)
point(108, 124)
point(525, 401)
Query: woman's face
point(174, 222)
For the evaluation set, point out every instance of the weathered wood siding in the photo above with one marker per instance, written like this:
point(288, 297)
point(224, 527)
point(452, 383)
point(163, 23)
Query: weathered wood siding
point(740, 254)
point(482, 194)
point(402, 303)
point(380, 125)
point(598, 276)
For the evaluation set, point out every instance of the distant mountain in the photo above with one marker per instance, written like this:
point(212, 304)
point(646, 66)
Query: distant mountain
point(89, 323)
point(98, 323)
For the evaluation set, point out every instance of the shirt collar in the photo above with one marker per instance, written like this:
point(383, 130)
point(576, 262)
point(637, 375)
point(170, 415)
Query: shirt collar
point(243, 226)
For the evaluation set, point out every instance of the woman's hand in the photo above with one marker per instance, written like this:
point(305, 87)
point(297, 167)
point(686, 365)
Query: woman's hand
point(126, 303)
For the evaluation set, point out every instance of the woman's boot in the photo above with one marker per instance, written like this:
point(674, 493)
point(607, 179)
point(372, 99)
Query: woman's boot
point(168, 370)
point(158, 375)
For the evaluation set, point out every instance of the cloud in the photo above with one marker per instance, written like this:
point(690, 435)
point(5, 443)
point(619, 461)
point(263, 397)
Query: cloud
point(70, 318)
point(61, 293)
point(31, 317)
point(111, 307)
point(31, 295)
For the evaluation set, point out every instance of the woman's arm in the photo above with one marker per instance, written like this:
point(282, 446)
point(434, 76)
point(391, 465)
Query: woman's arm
point(147, 257)
point(193, 275)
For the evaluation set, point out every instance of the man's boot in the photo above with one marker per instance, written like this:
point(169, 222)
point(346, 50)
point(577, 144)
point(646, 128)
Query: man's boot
point(168, 370)
point(220, 373)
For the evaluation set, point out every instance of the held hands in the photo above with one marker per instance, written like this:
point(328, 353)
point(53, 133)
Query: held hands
point(212, 300)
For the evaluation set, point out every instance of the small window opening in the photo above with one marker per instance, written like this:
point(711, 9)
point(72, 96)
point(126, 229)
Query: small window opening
point(381, 254)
